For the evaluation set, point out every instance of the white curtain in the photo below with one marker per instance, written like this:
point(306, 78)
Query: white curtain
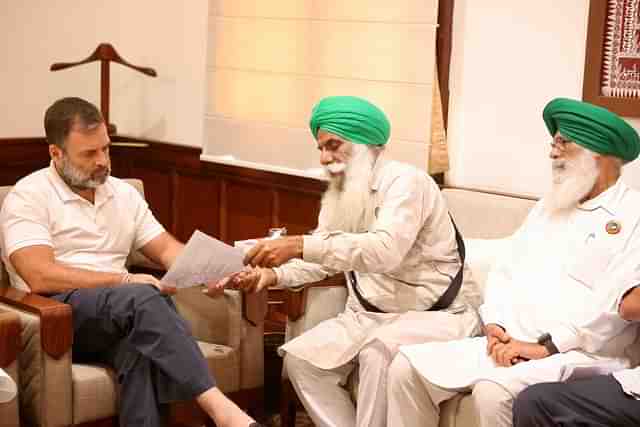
point(269, 62)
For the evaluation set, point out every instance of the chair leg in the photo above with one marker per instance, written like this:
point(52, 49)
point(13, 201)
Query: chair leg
point(288, 405)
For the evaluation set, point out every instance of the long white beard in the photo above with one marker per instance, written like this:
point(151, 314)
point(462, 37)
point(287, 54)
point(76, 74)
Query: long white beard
point(572, 181)
point(347, 203)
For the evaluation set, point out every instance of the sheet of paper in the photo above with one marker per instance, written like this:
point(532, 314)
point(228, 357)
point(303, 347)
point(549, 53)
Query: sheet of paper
point(204, 259)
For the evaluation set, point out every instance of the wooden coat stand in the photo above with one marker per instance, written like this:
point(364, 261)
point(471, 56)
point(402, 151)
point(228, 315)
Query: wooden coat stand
point(105, 53)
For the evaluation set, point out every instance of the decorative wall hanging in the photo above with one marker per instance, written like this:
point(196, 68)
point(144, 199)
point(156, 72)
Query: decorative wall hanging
point(612, 62)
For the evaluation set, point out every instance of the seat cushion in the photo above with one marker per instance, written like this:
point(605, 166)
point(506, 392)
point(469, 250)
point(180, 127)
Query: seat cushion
point(224, 363)
point(94, 392)
point(95, 386)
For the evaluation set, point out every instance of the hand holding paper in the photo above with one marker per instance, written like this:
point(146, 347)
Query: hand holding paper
point(274, 252)
point(203, 260)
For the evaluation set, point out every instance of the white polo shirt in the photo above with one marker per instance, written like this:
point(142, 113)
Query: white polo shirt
point(42, 210)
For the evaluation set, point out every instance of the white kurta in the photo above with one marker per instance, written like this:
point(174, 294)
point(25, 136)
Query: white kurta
point(404, 262)
point(565, 276)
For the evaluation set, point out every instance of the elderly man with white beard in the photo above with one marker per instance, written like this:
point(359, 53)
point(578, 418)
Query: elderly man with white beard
point(384, 224)
point(551, 305)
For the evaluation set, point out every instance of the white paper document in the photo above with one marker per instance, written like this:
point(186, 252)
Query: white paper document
point(204, 259)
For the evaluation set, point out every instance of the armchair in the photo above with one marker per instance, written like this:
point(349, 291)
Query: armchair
point(56, 392)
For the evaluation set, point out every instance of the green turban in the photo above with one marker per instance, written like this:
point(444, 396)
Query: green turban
point(592, 127)
point(351, 118)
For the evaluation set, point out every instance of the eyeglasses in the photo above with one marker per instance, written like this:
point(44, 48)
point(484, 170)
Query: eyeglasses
point(560, 144)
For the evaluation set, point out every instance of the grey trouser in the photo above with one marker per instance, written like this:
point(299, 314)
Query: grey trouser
point(594, 402)
point(138, 332)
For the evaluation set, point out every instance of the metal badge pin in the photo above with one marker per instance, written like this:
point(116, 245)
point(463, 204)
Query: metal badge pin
point(613, 227)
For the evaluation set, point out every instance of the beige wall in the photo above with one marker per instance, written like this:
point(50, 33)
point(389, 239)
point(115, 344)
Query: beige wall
point(169, 36)
point(507, 63)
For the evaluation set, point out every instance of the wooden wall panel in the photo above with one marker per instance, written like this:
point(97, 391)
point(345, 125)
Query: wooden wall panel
point(196, 205)
point(249, 210)
point(297, 211)
point(158, 192)
point(21, 156)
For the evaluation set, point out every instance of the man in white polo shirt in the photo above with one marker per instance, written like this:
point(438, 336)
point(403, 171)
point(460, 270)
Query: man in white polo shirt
point(66, 232)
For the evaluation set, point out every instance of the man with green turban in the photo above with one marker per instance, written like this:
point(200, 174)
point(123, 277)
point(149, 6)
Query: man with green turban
point(386, 226)
point(552, 299)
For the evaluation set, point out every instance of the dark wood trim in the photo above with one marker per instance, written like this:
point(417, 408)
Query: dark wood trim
point(9, 338)
point(224, 208)
point(288, 404)
point(443, 52)
point(56, 325)
point(18, 152)
point(254, 307)
point(275, 212)
point(594, 66)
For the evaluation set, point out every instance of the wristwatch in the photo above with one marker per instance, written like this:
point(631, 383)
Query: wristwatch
point(547, 342)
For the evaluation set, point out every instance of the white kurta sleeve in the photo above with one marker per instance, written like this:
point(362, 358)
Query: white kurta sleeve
point(496, 293)
point(296, 272)
point(604, 321)
point(400, 216)
point(499, 285)
point(602, 326)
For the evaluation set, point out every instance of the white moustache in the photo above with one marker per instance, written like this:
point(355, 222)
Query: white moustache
point(558, 164)
point(336, 167)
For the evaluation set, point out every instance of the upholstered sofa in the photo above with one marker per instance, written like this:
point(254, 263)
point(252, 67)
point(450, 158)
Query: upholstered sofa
point(54, 392)
point(485, 219)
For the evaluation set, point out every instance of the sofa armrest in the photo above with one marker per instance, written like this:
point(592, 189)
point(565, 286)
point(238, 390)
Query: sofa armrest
point(295, 303)
point(45, 359)
point(220, 320)
point(255, 307)
point(10, 345)
point(56, 328)
point(9, 338)
point(316, 302)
